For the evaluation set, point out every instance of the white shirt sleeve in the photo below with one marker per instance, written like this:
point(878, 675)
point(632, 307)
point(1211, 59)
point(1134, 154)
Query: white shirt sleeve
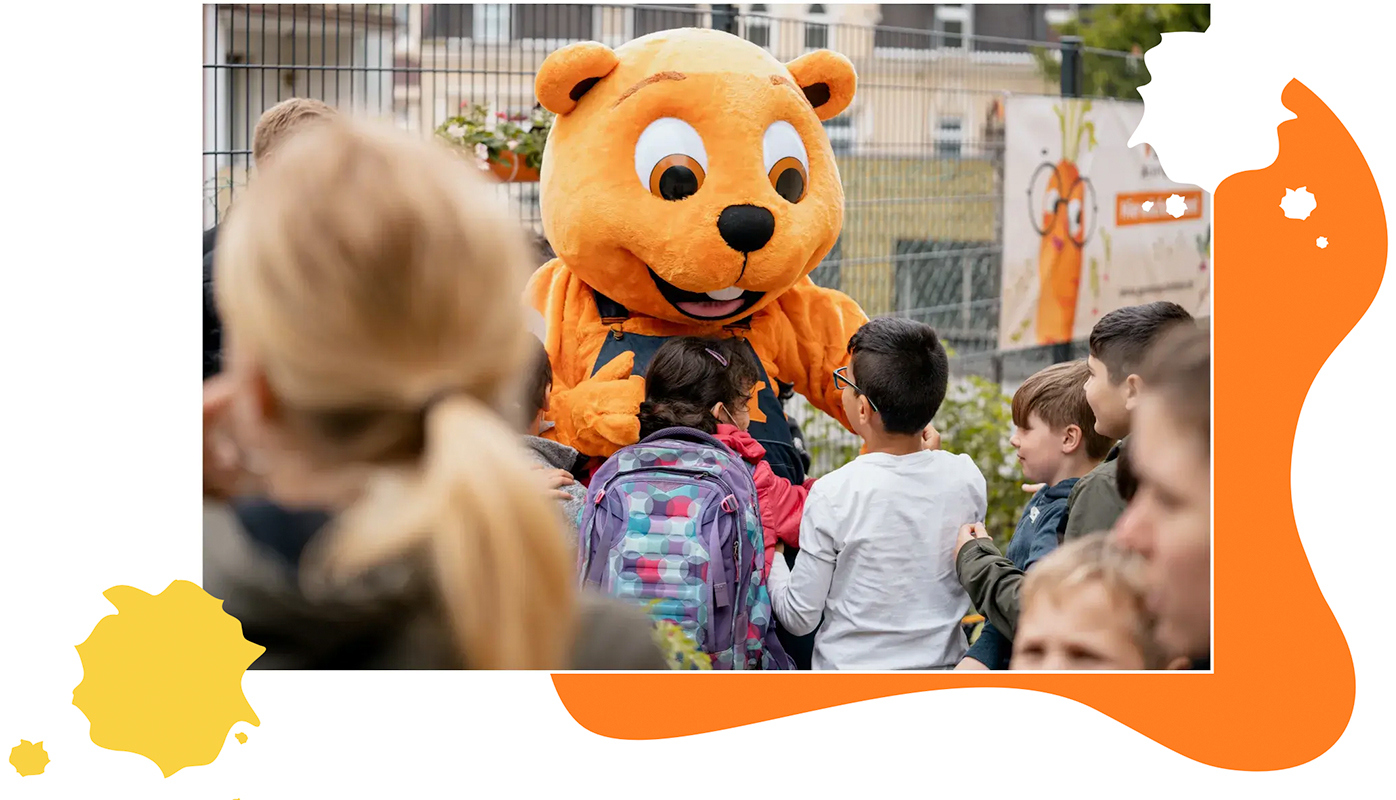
point(798, 597)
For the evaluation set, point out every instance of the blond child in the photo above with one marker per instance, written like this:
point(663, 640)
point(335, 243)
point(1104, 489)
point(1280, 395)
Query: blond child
point(1084, 608)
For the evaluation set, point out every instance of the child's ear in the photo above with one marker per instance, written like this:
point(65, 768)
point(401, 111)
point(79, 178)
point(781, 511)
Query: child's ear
point(1133, 386)
point(569, 73)
point(865, 410)
point(827, 79)
point(1072, 439)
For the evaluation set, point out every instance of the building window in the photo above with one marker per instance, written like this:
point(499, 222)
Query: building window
point(553, 22)
point(950, 137)
point(953, 26)
point(841, 133)
point(905, 27)
point(492, 22)
point(651, 20)
point(757, 30)
point(816, 30)
point(448, 21)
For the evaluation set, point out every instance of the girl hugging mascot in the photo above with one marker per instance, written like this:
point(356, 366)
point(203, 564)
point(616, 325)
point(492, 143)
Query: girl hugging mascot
point(688, 188)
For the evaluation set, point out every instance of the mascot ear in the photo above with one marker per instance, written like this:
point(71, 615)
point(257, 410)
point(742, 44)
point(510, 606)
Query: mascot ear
point(568, 73)
point(827, 79)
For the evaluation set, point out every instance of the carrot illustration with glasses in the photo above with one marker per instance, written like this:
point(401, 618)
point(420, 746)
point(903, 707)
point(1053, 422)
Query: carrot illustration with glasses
point(1064, 215)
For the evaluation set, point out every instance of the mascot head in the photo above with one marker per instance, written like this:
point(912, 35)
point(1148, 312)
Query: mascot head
point(687, 175)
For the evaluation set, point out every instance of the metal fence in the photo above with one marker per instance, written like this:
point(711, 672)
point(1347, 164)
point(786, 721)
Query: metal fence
point(920, 150)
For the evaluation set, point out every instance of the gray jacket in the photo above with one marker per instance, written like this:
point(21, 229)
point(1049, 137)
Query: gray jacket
point(389, 619)
point(546, 451)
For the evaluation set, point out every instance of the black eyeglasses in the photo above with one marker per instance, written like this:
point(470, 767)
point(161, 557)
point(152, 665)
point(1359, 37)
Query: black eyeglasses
point(841, 380)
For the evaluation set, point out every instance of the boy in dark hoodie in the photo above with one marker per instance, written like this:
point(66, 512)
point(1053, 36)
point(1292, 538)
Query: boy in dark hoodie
point(1057, 444)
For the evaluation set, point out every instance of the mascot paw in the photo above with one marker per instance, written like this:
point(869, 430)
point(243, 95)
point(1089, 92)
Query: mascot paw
point(604, 409)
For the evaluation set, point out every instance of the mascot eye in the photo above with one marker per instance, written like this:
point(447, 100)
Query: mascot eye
point(670, 160)
point(785, 159)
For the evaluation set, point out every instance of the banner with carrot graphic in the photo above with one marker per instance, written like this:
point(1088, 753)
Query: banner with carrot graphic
point(1090, 225)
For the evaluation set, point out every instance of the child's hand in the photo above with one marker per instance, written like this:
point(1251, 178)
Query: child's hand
point(930, 438)
point(780, 547)
point(967, 532)
point(968, 663)
point(554, 480)
point(1034, 488)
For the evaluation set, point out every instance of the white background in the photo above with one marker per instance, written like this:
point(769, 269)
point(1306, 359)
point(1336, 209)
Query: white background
point(99, 219)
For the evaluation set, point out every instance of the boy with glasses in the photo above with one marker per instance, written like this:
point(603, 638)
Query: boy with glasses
point(877, 539)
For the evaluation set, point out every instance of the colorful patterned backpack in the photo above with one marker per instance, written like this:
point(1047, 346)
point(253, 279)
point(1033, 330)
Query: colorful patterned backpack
point(672, 524)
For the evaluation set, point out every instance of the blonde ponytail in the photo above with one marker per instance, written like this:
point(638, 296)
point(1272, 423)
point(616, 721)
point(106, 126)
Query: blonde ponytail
point(363, 274)
point(501, 560)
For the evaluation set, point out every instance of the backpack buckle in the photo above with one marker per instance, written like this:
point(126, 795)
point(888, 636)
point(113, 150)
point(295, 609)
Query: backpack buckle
point(729, 504)
point(599, 495)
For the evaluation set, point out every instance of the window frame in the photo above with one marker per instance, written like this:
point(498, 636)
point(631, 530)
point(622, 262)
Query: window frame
point(810, 18)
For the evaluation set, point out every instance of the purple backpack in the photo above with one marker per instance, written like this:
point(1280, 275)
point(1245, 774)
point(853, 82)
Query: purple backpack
point(672, 524)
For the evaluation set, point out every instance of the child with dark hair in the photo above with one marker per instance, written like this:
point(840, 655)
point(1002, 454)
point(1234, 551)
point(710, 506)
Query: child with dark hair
point(560, 459)
point(708, 384)
point(1057, 444)
point(877, 539)
point(1119, 343)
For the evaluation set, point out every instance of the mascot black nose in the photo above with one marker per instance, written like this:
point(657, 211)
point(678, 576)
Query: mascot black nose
point(746, 229)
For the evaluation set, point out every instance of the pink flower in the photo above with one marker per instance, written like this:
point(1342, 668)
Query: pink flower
point(511, 144)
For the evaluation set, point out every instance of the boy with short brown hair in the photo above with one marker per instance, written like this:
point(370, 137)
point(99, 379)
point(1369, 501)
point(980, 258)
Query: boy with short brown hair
point(1084, 608)
point(1119, 342)
point(1057, 444)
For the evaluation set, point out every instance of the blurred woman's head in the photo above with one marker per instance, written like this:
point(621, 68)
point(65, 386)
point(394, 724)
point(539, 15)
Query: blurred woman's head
point(1169, 519)
point(369, 285)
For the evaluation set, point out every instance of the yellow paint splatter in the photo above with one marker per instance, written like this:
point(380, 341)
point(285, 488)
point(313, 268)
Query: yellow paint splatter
point(163, 677)
point(29, 759)
point(241, 737)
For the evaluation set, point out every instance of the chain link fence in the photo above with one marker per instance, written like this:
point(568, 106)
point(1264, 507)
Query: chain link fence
point(920, 151)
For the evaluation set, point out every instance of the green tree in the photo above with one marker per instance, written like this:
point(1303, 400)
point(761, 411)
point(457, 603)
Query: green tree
point(1122, 28)
point(976, 419)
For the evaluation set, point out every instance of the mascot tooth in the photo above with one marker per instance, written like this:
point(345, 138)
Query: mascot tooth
point(688, 188)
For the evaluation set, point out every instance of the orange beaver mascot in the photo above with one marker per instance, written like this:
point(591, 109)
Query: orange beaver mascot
point(689, 188)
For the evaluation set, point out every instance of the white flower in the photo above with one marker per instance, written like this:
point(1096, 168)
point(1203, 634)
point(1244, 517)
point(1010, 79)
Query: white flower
point(455, 131)
point(511, 144)
point(481, 151)
point(483, 165)
point(526, 125)
point(490, 122)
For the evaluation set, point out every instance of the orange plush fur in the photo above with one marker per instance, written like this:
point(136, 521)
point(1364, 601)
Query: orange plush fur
point(610, 227)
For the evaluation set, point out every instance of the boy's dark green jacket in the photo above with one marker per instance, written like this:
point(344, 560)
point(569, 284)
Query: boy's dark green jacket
point(993, 581)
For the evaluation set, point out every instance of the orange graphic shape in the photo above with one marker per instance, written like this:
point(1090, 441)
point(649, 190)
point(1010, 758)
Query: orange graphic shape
point(1274, 631)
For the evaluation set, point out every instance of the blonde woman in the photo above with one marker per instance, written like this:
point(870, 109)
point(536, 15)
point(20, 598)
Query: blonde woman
point(369, 286)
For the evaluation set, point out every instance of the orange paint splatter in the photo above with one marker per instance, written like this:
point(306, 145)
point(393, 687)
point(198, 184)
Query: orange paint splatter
point(1245, 715)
